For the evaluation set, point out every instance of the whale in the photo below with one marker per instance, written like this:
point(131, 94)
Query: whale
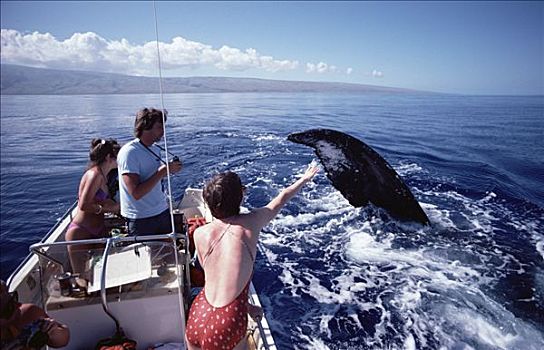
point(360, 174)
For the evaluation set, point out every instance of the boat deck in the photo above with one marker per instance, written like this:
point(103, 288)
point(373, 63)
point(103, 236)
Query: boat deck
point(146, 284)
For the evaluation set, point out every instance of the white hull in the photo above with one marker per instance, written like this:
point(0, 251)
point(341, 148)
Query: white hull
point(149, 304)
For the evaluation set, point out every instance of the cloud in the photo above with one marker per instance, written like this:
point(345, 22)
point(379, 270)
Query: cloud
point(320, 68)
point(377, 74)
point(235, 59)
point(89, 51)
point(349, 71)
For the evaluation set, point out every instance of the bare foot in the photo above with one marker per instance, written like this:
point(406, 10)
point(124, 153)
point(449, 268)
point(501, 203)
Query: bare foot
point(81, 283)
point(255, 312)
point(79, 288)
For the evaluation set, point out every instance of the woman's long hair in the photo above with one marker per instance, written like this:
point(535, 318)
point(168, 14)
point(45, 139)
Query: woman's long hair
point(100, 148)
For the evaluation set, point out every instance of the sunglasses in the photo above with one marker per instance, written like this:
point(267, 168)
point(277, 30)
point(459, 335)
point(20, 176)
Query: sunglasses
point(10, 306)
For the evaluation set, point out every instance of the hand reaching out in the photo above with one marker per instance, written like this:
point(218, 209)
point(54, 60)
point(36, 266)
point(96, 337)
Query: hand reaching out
point(310, 172)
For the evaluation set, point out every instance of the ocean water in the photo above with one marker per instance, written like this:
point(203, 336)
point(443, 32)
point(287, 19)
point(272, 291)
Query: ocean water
point(332, 276)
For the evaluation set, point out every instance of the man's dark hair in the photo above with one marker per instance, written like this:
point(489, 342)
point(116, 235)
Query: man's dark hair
point(146, 118)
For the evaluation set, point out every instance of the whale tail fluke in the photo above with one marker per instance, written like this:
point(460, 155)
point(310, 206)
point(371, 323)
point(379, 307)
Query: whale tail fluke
point(361, 174)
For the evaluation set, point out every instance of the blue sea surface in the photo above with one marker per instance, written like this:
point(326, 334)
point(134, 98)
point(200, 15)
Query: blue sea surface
point(332, 276)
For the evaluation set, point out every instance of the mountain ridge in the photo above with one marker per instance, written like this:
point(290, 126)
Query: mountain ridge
point(24, 80)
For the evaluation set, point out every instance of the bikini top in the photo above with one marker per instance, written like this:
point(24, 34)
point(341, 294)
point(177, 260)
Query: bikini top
point(101, 195)
point(214, 243)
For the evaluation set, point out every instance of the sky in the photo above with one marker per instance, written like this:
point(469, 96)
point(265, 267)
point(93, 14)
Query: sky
point(485, 48)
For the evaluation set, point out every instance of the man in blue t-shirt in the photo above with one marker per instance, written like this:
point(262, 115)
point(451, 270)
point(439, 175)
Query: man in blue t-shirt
point(141, 170)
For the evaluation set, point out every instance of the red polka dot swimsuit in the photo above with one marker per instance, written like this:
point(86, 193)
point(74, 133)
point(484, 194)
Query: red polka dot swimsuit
point(223, 327)
point(217, 327)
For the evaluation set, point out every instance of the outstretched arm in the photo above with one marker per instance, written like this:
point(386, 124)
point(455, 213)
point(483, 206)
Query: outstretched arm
point(265, 214)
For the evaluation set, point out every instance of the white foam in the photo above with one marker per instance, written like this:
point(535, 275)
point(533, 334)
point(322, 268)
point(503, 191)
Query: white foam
point(313, 343)
point(335, 157)
point(405, 169)
point(410, 343)
point(540, 245)
point(266, 137)
point(423, 286)
point(418, 269)
point(475, 326)
point(533, 229)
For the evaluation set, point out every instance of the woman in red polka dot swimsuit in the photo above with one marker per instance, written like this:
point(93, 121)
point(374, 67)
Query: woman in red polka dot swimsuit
point(226, 247)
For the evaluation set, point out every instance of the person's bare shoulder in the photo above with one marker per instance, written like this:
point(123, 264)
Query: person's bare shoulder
point(200, 233)
point(254, 220)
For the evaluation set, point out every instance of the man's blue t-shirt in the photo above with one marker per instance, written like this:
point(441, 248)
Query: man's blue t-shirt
point(134, 158)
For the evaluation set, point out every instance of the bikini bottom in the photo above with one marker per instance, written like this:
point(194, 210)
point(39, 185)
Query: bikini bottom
point(95, 232)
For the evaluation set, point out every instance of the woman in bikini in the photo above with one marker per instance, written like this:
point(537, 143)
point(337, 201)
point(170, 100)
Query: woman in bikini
point(227, 247)
point(93, 201)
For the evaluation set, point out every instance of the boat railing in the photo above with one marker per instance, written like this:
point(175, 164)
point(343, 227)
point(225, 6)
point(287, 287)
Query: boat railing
point(54, 253)
point(122, 274)
point(59, 222)
point(42, 249)
point(39, 248)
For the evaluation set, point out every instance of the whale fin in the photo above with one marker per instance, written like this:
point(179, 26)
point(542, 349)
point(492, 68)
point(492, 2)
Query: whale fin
point(361, 174)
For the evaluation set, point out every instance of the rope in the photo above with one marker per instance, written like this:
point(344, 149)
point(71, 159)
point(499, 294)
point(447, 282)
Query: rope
point(163, 117)
point(178, 268)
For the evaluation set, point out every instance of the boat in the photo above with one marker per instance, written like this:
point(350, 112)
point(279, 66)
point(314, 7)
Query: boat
point(137, 286)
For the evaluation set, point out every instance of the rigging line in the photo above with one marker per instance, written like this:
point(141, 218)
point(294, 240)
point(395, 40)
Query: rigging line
point(178, 271)
point(170, 204)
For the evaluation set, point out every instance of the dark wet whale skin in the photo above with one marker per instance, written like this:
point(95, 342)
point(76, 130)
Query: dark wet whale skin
point(361, 174)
